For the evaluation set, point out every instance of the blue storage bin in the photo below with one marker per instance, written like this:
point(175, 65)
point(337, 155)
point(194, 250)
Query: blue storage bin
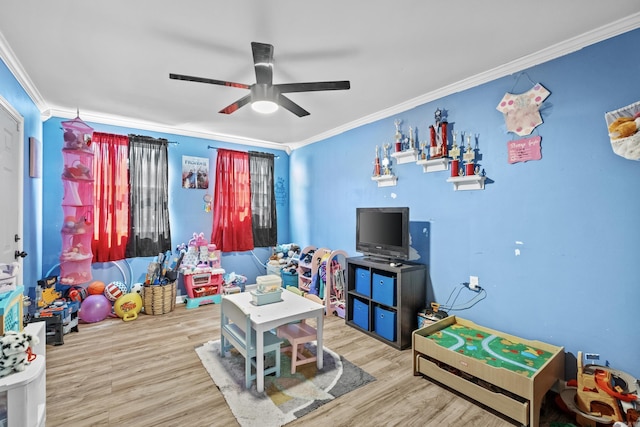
point(384, 289)
point(361, 314)
point(363, 281)
point(289, 279)
point(385, 323)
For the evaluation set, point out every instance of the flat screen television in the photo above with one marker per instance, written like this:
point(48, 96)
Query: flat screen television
point(383, 233)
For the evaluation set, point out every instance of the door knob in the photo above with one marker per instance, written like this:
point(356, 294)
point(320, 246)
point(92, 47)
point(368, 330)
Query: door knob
point(16, 237)
point(19, 254)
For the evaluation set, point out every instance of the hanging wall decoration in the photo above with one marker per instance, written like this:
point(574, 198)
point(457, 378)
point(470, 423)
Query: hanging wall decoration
point(521, 112)
point(525, 149)
point(195, 172)
point(521, 116)
point(280, 192)
point(623, 125)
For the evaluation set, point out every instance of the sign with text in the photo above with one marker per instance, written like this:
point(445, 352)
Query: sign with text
point(522, 150)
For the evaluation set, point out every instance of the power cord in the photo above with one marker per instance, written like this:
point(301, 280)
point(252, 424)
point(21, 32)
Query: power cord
point(481, 294)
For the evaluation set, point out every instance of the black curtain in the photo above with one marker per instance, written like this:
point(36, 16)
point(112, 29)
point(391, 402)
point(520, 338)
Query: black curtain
point(263, 200)
point(149, 197)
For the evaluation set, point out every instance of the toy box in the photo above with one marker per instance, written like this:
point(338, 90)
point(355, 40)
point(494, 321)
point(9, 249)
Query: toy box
point(202, 284)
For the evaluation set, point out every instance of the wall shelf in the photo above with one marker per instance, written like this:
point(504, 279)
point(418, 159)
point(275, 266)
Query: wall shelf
point(434, 165)
point(473, 182)
point(385, 180)
point(406, 156)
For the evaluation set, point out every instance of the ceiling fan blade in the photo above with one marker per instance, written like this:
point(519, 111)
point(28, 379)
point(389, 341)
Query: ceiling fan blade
point(236, 105)
point(285, 102)
point(205, 80)
point(313, 86)
point(263, 62)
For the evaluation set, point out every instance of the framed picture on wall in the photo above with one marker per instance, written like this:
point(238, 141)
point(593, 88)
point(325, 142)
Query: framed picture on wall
point(195, 172)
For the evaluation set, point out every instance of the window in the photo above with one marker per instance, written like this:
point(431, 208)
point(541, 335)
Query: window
point(263, 200)
point(232, 202)
point(149, 231)
point(131, 215)
point(244, 201)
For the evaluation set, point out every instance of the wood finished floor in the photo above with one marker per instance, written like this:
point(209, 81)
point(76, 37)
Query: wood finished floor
point(146, 373)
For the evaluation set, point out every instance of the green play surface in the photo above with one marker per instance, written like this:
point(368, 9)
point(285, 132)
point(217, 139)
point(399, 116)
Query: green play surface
point(494, 350)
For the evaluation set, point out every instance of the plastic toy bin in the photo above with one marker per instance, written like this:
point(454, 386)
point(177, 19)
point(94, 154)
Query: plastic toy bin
point(289, 279)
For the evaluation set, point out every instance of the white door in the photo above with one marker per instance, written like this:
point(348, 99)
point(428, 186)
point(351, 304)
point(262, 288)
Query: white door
point(11, 170)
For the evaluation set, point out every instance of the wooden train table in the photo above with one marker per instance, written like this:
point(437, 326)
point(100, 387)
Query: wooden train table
point(502, 371)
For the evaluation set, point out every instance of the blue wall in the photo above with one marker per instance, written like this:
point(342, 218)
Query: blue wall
point(16, 96)
point(573, 215)
point(186, 209)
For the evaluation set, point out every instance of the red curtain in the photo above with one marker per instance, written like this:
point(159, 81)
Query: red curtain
point(111, 197)
point(232, 228)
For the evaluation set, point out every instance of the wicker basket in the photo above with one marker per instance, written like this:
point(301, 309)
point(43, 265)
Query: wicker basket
point(160, 299)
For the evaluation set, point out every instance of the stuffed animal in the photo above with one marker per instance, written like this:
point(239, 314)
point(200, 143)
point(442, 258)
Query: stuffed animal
point(15, 351)
point(624, 127)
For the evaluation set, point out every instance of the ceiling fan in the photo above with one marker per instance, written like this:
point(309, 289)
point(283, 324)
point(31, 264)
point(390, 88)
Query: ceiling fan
point(265, 97)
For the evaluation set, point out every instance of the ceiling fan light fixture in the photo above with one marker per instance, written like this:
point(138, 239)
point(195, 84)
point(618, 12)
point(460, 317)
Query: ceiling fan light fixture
point(264, 106)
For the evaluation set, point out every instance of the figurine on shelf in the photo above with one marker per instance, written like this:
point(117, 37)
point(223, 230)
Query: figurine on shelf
point(376, 164)
point(386, 162)
point(398, 135)
point(469, 157)
point(423, 151)
point(455, 156)
point(412, 142)
point(438, 133)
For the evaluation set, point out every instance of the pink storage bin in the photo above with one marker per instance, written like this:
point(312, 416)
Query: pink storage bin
point(75, 272)
point(78, 165)
point(76, 247)
point(77, 219)
point(77, 135)
point(77, 193)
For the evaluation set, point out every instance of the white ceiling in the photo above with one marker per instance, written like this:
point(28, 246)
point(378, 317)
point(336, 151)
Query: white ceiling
point(112, 59)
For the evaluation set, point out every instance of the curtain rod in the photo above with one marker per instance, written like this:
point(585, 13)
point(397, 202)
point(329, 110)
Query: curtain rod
point(211, 147)
point(151, 137)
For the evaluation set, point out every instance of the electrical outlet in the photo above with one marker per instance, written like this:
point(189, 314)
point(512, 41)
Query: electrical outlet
point(473, 282)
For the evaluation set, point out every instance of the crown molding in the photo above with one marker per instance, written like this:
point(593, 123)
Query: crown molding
point(552, 52)
point(613, 29)
point(113, 120)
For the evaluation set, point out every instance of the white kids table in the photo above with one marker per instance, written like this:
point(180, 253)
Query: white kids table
point(269, 316)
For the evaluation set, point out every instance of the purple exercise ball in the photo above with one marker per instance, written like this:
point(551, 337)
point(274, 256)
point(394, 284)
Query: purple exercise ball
point(94, 308)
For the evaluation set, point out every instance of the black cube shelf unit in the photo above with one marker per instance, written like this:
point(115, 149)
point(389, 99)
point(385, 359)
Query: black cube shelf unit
point(383, 301)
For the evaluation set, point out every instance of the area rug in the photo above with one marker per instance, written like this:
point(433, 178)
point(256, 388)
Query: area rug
point(286, 398)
